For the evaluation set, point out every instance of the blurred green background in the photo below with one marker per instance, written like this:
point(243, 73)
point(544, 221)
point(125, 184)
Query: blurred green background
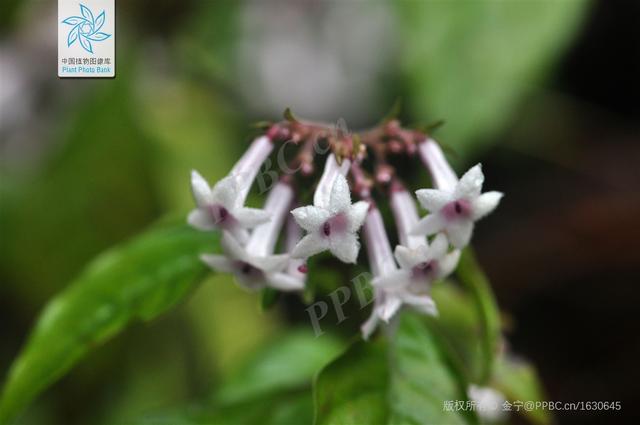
point(544, 93)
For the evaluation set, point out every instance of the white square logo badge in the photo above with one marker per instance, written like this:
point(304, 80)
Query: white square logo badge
point(86, 38)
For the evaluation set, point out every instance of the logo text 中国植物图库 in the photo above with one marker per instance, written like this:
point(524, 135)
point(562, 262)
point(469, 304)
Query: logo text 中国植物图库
point(86, 38)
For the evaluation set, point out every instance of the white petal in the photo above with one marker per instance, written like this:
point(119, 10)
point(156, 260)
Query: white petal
point(219, 263)
point(423, 303)
point(460, 233)
point(448, 264)
point(356, 215)
point(232, 247)
point(433, 199)
point(345, 247)
point(389, 307)
point(269, 263)
point(405, 256)
point(201, 220)
point(440, 169)
point(422, 253)
point(311, 244)
point(340, 197)
point(240, 234)
point(393, 281)
point(225, 192)
point(439, 246)
point(250, 217)
point(486, 203)
point(284, 282)
point(200, 189)
point(310, 218)
point(470, 183)
point(370, 325)
point(325, 185)
point(428, 225)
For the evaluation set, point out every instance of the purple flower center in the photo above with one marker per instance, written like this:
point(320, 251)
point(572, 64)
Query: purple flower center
point(249, 272)
point(460, 208)
point(336, 224)
point(221, 215)
point(424, 270)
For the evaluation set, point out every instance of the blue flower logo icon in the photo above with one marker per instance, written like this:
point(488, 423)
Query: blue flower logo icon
point(86, 28)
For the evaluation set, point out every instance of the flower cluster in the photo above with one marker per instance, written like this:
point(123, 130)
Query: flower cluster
point(428, 247)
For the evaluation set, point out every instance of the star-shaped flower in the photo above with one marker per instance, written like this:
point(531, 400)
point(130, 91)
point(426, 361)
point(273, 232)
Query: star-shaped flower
point(387, 303)
point(391, 292)
point(426, 263)
point(411, 284)
point(333, 226)
point(253, 271)
point(455, 211)
point(222, 207)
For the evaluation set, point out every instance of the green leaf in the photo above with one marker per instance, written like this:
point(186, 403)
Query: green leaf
point(268, 298)
point(138, 280)
point(424, 376)
point(276, 409)
point(95, 185)
point(471, 62)
point(476, 283)
point(272, 387)
point(459, 323)
point(352, 389)
point(518, 380)
point(187, 126)
point(405, 381)
point(289, 362)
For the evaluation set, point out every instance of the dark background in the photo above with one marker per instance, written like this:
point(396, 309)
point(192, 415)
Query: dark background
point(569, 279)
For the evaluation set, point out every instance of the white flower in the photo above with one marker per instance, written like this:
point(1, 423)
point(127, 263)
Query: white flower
point(322, 195)
point(222, 207)
point(427, 263)
point(332, 222)
point(411, 284)
point(254, 264)
point(253, 271)
point(455, 210)
point(331, 227)
point(408, 285)
point(297, 266)
point(441, 172)
point(405, 212)
point(488, 402)
point(248, 166)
